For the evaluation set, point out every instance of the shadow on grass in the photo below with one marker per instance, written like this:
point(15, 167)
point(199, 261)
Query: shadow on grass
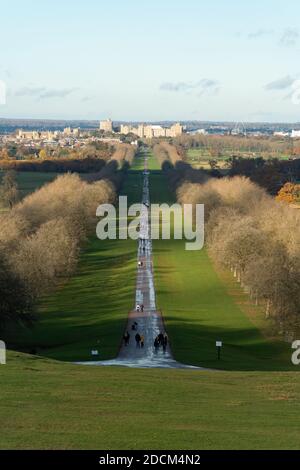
point(244, 349)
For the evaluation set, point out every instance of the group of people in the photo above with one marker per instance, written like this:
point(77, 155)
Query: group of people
point(139, 338)
point(161, 340)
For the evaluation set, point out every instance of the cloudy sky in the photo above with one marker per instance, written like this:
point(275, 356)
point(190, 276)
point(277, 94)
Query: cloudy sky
point(163, 59)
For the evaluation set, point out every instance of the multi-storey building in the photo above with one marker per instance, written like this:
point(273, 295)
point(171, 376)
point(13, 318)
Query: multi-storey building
point(150, 131)
point(106, 126)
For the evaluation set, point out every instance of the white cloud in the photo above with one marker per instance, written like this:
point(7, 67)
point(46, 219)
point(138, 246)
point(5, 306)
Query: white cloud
point(289, 37)
point(280, 84)
point(205, 85)
point(44, 93)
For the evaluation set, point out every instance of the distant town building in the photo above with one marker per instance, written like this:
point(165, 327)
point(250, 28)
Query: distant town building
point(46, 135)
point(295, 134)
point(280, 134)
point(69, 132)
point(127, 129)
point(106, 126)
point(151, 131)
point(76, 132)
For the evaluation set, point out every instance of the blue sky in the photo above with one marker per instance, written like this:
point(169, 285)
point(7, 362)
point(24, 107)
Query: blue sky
point(135, 60)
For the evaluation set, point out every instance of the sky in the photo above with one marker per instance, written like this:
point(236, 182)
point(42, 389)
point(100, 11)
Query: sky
point(149, 61)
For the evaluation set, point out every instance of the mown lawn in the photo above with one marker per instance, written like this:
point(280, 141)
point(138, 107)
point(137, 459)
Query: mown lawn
point(138, 162)
point(51, 405)
point(29, 181)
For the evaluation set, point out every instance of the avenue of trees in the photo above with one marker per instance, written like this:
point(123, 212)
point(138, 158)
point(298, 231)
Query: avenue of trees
point(165, 151)
point(123, 153)
point(40, 240)
point(248, 231)
point(257, 238)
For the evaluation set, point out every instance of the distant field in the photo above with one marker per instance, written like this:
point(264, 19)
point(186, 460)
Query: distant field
point(200, 158)
point(29, 181)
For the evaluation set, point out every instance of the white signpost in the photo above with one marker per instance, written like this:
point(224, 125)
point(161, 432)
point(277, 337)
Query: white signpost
point(219, 345)
point(2, 352)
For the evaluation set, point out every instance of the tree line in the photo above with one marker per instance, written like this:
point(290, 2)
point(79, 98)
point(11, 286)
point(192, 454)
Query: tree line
point(270, 174)
point(41, 238)
point(100, 150)
point(228, 145)
point(253, 235)
point(86, 165)
point(123, 153)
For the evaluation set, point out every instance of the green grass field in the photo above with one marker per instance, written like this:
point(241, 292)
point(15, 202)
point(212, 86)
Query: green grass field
point(200, 158)
point(47, 404)
point(51, 405)
point(138, 162)
point(29, 181)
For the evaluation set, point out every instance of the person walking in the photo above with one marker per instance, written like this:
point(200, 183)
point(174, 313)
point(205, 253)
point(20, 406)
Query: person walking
point(138, 340)
point(161, 338)
point(156, 344)
point(142, 341)
point(126, 338)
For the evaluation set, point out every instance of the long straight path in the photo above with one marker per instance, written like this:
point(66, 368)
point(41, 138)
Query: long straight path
point(149, 322)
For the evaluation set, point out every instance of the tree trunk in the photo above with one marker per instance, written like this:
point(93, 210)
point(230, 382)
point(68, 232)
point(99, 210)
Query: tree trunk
point(268, 308)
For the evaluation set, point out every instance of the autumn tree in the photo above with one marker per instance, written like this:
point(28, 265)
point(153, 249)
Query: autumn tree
point(9, 189)
point(16, 304)
point(255, 237)
point(289, 193)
